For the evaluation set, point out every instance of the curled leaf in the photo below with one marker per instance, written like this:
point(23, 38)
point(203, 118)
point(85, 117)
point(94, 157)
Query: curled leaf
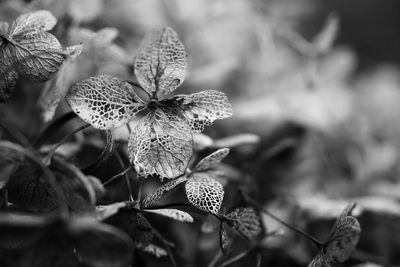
point(160, 63)
point(203, 108)
point(161, 144)
point(212, 160)
point(175, 214)
point(104, 101)
point(247, 222)
point(343, 240)
point(158, 194)
point(204, 192)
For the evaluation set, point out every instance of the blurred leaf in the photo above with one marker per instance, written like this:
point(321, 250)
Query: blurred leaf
point(161, 144)
point(159, 193)
point(58, 86)
point(30, 51)
point(97, 186)
point(85, 11)
point(104, 101)
point(204, 192)
point(324, 40)
point(237, 140)
point(175, 214)
point(160, 63)
point(211, 161)
point(203, 108)
point(201, 141)
point(155, 250)
point(225, 241)
point(247, 222)
point(107, 211)
point(343, 240)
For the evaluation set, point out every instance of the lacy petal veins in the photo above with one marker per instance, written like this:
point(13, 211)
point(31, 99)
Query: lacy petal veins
point(27, 49)
point(161, 143)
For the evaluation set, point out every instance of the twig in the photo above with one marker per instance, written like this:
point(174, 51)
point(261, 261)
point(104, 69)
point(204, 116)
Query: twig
point(117, 175)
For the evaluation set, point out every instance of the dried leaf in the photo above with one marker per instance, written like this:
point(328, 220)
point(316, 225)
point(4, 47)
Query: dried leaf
point(106, 211)
point(161, 62)
point(343, 240)
point(135, 225)
point(158, 194)
point(161, 144)
point(203, 108)
point(41, 20)
point(175, 214)
point(247, 222)
point(212, 160)
point(57, 88)
point(204, 192)
point(155, 250)
point(104, 101)
point(225, 241)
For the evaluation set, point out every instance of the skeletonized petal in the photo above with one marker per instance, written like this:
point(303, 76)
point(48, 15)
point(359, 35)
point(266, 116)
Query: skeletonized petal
point(212, 160)
point(203, 108)
point(38, 55)
point(161, 144)
point(204, 192)
point(104, 101)
point(41, 20)
point(161, 62)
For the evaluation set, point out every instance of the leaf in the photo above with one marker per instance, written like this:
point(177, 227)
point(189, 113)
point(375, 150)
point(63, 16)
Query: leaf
point(204, 192)
point(104, 101)
point(96, 184)
point(324, 40)
point(203, 108)
point(237, 140)
point(41, 20)
point(8, 80)
point(343, 240)
point(247, 222)
point(155, 250)
point(161, 144)
point(107, 211)
point(85, 11)
point(212, 160)
point(175, 214)
point(57, 88)
point(101, 245)
point(160, 63)
point(225, 241)
point(135, 225)
point(159, 193)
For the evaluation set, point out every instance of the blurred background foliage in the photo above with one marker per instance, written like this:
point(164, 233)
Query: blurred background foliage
point(327, 117)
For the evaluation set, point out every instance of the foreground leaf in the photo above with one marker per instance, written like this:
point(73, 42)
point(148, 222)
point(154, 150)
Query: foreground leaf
point(104, 101)
point(175, 214)
point(343, 240)
point(204, 192)
point(159, 193)
point(211, 161)
point(160, 63)
point(161, 144)
point(203, 108)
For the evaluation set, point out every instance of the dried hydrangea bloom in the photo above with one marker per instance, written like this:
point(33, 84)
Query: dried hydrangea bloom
point(161, 143)
point(27, 49)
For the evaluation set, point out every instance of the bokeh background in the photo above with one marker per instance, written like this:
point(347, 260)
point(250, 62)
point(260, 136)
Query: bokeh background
point(316, 80)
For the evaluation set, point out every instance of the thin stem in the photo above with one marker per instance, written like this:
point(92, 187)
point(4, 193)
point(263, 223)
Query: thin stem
point(105, 154)
point(318, 243)
point(236, 258)
point(53, 127)
point(139, 194)
point(128, 183)
point(117, 175)
point(62, 141)
point(214, 260)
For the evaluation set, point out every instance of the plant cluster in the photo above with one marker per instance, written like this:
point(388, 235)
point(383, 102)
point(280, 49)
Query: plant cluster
point(56, 214)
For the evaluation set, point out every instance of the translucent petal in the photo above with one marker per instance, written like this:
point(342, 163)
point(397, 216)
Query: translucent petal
point(203, 108)
point(41, 20)
point(160, 63)
point(175, 214)
point(104, 101)
point(212, 160)
point(57, 88)
point(247, 222)
point(161, 144)
point(204, 192)
point(158, 194)
point(38, 55)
